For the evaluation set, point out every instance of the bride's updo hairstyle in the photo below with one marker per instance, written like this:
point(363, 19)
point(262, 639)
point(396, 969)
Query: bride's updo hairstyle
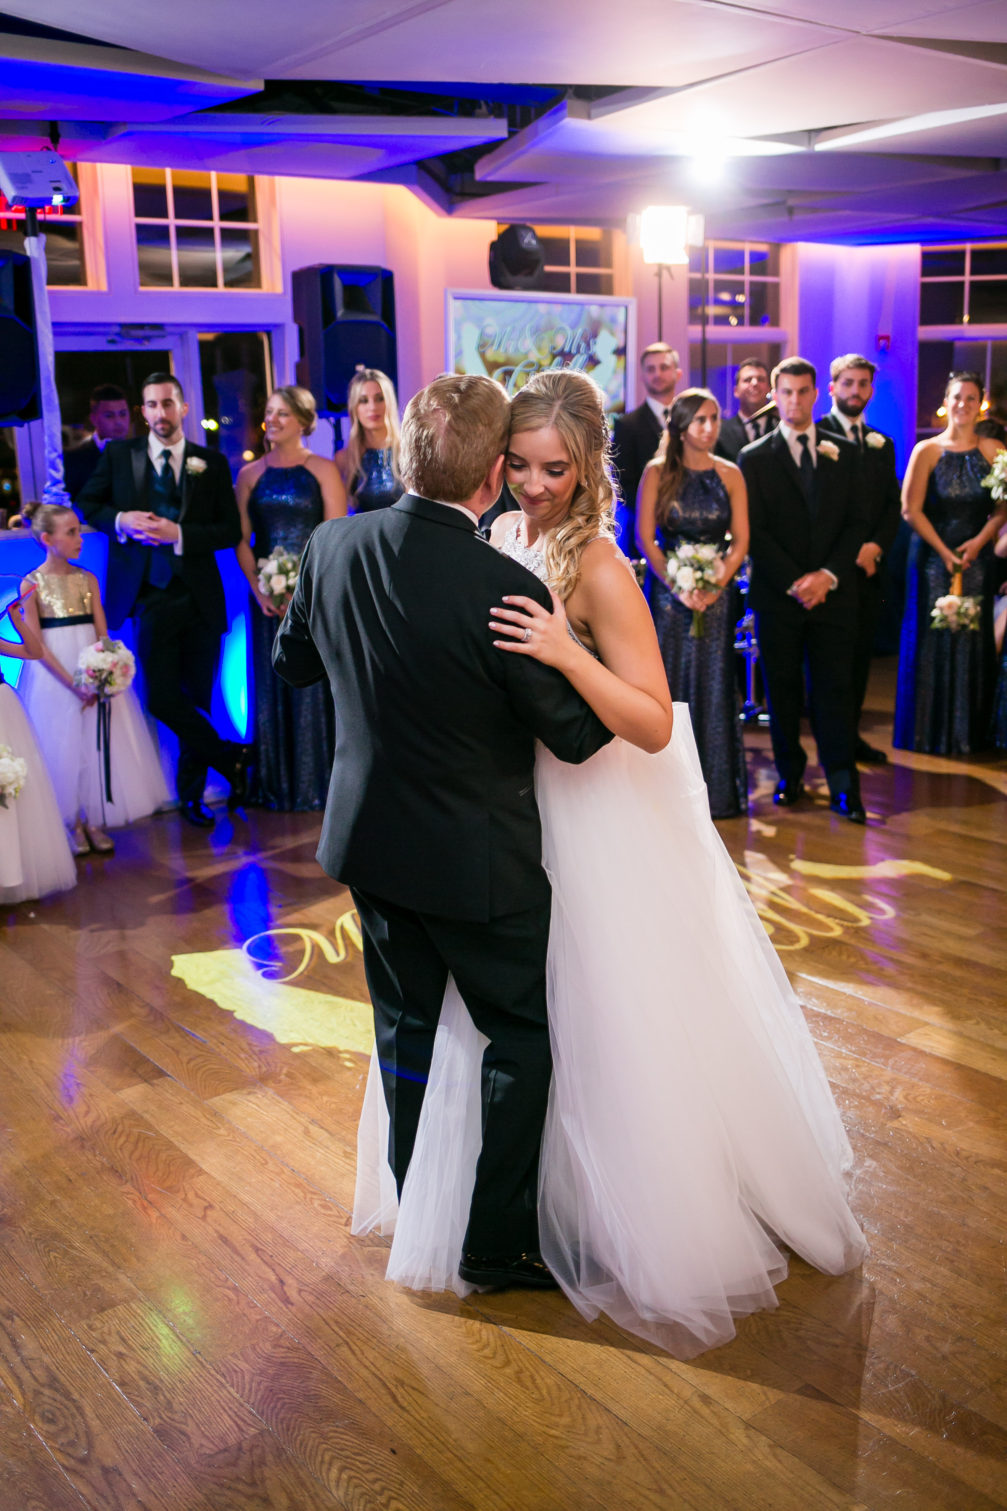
point(684, 410)
point(571, 403)
point(43, 518)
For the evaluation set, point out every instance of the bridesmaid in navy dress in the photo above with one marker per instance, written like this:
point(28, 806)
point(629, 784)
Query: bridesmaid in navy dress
point(689, 495)
point(944, 696)
point(368, 463)
point(281, 498)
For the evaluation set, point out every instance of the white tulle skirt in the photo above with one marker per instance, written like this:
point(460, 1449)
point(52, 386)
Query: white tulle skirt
point(68, 733)
point(691, 1131)
point(35, 858)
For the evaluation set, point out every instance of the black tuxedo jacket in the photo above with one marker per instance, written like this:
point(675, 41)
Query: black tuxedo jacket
point(787, 541)
point(209, 520)
point(635, 438)
point(881, 503)
point(733, 437)
point(431, 802)
point(78, 465)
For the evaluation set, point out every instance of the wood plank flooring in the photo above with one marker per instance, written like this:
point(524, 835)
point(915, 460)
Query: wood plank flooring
point(186, 1323)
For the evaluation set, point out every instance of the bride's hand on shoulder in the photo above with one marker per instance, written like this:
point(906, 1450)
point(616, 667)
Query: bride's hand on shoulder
point(532, 630)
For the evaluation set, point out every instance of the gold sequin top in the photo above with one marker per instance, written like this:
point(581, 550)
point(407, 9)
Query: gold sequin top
point(62, 597)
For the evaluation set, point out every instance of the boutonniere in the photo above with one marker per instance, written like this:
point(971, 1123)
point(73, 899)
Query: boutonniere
point(195, 465)
point(829, 449)
point(874, 439)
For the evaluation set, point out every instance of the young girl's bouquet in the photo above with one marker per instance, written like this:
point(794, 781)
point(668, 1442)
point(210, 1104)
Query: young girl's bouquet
point(13, 770)
point(278, 577)
point(105, 668)
point(692, 567)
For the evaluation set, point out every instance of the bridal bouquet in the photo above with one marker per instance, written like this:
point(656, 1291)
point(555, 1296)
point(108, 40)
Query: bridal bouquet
point(13, 770)
point(996, 478)
point(278, 577)
point(956, 611)
point(692, 567)
point(105, 668)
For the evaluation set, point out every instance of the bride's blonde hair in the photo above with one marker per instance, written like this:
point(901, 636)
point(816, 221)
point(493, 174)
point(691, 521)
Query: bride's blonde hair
point(572, 404)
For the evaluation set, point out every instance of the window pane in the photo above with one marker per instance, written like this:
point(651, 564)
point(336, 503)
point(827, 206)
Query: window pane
point(998, 380)
point(764, 261)
point(234, 367)
point(696, 260)
point(729, 260)
point(235, 197)
point(727, 307)
point(942, 303)
point(719, 370)
point(988, 301)
point(197, 258)
point(593, 249)
point(763, 303)
point(153, 255)
point(986, 260)
point(557, 251)
point(150, 196)
point(946, 263)
point(193, 200)
point(64, 257)
point(936, 360)
point(239, 256)
point(594, 283)
point(557, 282)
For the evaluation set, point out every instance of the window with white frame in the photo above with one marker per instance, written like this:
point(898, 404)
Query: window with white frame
point(578, 259)
point(736, 283)
point(964, 284)
point(196, 230)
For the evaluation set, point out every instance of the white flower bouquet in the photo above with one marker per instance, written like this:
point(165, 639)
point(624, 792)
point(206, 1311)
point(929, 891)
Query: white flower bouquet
point(692, 568)
point(996, 478)
point(13, 771)
point(956, 611)
point(105, 668)
point(278, 577)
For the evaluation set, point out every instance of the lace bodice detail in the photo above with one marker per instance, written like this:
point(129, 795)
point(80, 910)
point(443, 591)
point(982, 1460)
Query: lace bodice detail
point(534, 561)
point(63, 595)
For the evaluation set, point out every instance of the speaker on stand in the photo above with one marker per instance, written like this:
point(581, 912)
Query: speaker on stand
point(346, 319)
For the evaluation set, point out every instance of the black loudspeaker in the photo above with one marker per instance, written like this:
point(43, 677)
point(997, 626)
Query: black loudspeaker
point(19, 387)
point(346, 317)
point(517, 260)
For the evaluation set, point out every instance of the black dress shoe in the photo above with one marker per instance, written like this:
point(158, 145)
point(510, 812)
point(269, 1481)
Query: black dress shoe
point(198, 814)
point(848, 806)
point(528, 1271)
point(869, 755)
point(788, 793)
point(238, 776)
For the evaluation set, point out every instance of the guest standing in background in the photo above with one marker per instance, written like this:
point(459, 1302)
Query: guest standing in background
point(851, 387)
point(753, 419)
point(110, 420)
point(944, 697)
point(691, 495)
point(369, 462)
point(281, 498)
point(637, 435)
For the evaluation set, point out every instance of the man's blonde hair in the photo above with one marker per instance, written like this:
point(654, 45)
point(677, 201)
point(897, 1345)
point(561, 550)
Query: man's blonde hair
point(452, 432)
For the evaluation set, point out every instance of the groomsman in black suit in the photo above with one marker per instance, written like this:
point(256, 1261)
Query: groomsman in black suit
point(851, 388)
point(804, 501)
point(637, 435)
point(167, 506)
point(431, 817)
point(109, 418)
point(751, 389)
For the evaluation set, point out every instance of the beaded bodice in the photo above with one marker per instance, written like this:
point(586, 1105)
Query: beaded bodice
point(63, 595)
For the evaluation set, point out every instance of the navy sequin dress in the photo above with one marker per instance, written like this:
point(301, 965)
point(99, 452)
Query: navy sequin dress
point(702, 672)
point(945, 687)
point(294, 726)
point(375, 485)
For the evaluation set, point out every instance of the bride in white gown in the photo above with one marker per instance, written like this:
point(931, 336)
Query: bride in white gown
point(691, 1131)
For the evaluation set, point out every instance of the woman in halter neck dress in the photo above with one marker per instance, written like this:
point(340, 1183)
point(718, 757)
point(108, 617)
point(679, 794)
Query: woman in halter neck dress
point(691, 1130)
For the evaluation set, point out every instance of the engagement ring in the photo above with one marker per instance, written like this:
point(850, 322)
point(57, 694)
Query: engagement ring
point(526, 636)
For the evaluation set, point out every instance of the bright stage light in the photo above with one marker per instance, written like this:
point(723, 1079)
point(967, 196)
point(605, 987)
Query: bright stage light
point(664, 232)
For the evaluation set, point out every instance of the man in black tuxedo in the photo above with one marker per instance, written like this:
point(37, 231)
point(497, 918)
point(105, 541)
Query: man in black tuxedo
point(804, 493)
point(109, 418)
point(637, 435)
point(851, 388)
point(431, 817)
point(753, 420)
point(167, 506)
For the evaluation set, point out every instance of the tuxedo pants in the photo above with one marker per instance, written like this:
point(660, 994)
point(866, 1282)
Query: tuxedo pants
point(870, 596)
point(499, 967)
point(179, 655)
point(821, 654)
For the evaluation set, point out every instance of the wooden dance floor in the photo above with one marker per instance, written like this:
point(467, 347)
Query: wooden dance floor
point(186, 1322)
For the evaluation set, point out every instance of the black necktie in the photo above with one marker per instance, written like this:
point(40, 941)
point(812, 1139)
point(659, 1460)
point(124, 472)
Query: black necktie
point(754, 429)
point(667, 416)
point(858, 435)
point(807, 471)
point(166, 500)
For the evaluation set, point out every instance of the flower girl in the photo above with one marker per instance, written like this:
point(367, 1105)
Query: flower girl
point(67, 610)
point(35, 857)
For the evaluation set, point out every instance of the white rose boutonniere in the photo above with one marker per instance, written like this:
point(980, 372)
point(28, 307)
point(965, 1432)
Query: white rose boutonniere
point(194, 465)
point(829, 449)
point(874, 439)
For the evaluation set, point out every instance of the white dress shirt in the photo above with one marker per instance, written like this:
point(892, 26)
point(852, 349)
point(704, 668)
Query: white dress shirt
point(848, 424)
point(790, 435)
point(659, 410)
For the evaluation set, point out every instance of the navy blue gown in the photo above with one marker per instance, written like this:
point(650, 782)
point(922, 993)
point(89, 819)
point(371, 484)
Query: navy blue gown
point(702, 672)
point(944, 694)
point(375, 485)
point(294, 726)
